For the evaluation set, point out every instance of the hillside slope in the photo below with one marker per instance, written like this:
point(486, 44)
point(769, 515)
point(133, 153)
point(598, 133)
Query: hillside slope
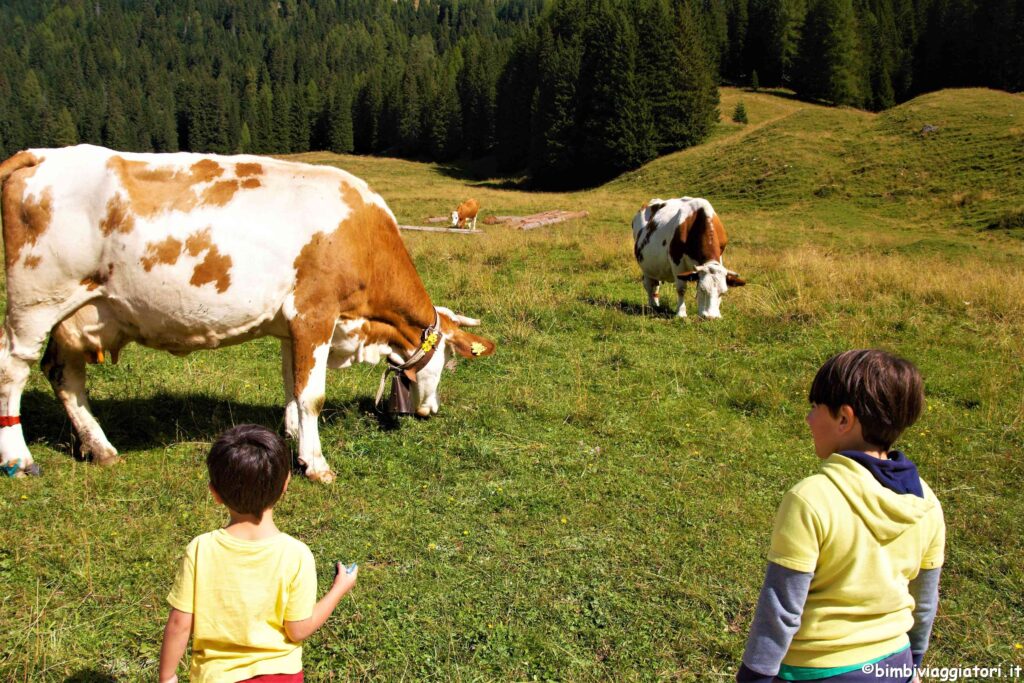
point(956, 156)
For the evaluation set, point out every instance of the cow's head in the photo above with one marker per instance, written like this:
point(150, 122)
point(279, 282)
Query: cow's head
point(453, 341)
point(713, 281)
point(455, 218)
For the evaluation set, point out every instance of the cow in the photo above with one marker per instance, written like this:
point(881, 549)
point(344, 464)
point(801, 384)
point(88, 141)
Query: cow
point(183, 252)
point(682, 240)
point(465, 213)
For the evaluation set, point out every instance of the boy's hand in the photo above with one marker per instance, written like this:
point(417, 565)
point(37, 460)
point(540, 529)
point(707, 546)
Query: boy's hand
point(345, 577)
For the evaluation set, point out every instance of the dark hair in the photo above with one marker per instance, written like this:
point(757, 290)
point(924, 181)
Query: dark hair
point(249, 466)
point(885, 392)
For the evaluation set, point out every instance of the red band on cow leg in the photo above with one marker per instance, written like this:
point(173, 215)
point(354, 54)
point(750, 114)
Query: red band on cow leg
point(9, 420)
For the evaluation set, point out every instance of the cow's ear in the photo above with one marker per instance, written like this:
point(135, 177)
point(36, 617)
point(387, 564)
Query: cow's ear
point(689, 276)
point(734, 280)
point(469, 345)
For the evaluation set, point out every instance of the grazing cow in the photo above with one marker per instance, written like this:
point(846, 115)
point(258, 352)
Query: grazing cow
point(191, 251)
point(682, 240)
point(466, 213)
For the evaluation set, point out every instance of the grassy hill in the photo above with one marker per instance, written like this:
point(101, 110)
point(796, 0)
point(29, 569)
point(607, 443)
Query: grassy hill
point(594, 502)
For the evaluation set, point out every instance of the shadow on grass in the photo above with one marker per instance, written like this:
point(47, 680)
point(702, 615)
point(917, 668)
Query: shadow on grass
point(789, 95)
point(145, 423)
point(90, 676)
point(630, 307)
point(480, 178)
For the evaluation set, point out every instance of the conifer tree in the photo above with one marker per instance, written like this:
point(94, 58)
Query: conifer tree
point(828, 66)
point(263, 135)
point(444, 117)
point(696, 82)
point(615, 127)
point(366, 116)
point(658, 57)
point(515, 92)
point(739, 114)
point(64, 131)
point(245, 140)
point(35, 109)
point(477, 90)
point(115, 130)
point(552, 144)
point(737, 18)
point(339, 120)
point(773, 39)
point(410, 116)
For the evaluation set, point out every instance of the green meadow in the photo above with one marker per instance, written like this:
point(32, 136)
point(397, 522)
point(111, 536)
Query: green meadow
point(593, 502)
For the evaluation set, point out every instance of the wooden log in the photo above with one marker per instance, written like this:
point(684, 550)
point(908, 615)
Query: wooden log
point(424, 228)
point(550, 218)
point(536, 220)
point(495, 220)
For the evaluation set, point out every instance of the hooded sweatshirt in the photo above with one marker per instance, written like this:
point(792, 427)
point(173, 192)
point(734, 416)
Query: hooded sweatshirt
point(864, 543)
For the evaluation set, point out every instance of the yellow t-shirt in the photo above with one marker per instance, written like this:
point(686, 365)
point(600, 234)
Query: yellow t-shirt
point(240, 593)
point(864, 543)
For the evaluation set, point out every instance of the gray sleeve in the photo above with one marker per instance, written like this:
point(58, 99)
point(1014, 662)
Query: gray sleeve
point(925, 591)
point(779, 609)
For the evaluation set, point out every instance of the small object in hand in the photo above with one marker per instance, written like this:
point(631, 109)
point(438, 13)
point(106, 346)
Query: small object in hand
point(351, 568)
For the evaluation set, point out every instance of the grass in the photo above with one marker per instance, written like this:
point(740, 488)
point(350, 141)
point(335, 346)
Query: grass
point(593, 502)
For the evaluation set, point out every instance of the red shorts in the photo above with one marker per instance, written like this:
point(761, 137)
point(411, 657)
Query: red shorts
point(275, 678)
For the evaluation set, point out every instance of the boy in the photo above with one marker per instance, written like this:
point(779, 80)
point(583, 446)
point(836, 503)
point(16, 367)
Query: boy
point(246, 592)
point(853, 571)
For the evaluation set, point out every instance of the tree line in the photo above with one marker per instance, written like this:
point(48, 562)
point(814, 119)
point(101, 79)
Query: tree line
point(570, 92)
point(869, 53)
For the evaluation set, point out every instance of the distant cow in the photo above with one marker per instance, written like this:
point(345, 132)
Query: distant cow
point(464, 216)
point(682, 240)
point(188, 251)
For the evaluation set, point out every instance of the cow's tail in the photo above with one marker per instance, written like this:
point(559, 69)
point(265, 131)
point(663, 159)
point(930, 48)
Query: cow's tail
point(22, 159)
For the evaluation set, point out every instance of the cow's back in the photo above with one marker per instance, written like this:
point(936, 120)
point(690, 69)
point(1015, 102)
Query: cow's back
point(188, 247)
point(661, 239)
point(654, 228)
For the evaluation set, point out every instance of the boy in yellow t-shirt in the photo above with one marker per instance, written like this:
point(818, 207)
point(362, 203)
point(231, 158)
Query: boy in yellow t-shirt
point(851, 589)
point(246, 593)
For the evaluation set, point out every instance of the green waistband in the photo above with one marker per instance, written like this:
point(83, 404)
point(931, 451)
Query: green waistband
point(813, 673)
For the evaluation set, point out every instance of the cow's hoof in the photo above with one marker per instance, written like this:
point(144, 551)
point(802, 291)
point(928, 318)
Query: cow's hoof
point(16, 471)
point(325, 477)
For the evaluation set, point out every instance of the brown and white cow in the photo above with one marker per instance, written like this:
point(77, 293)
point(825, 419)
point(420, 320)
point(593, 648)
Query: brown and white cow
point(464, 215)
point(183, 252)
point(682, 240)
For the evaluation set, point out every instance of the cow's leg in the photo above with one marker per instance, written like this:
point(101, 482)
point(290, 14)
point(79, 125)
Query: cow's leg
point(25, 330)
point(21, 343)
point(651, 287)
point(64, 365)
point(681, 293)
point(15, 457)
point(291, 407)
point(311, 345)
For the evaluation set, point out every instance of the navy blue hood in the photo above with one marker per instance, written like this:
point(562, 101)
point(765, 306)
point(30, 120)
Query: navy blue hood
point(897, 473)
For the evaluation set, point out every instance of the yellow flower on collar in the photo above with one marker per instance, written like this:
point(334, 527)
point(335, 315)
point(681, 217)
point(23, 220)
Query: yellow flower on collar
point(477, 348)
point(429, 342)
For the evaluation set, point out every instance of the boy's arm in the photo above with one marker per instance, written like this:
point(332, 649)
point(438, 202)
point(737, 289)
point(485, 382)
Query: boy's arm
point(925, 591)
point(777, 619)
point(298, 631)
point(176, 635)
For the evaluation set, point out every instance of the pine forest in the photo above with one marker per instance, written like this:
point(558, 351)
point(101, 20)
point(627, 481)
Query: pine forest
point(566, 93)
